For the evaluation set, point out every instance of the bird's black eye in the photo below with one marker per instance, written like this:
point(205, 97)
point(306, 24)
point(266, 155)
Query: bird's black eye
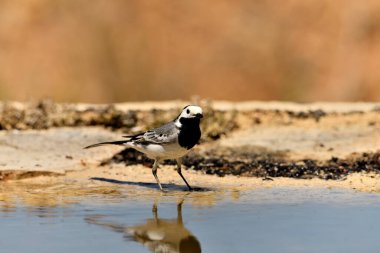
point(188, 111)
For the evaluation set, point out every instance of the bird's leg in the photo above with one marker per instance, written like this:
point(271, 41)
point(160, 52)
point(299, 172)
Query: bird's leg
point(154, 211)
point(179, 213)
point(154, 171)
point(179, 162)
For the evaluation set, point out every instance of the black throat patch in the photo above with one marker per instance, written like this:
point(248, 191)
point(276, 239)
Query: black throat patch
point(190, 133)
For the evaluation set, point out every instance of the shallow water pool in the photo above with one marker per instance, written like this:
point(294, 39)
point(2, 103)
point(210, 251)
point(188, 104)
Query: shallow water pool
point(264, 220)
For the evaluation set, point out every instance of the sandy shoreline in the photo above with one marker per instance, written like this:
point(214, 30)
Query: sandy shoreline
point(113, 183)
point(141, 176)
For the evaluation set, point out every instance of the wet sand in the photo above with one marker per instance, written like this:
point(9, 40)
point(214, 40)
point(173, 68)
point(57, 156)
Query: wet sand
point(113, 180)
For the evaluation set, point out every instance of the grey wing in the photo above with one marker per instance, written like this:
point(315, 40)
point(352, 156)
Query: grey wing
point(167, 133)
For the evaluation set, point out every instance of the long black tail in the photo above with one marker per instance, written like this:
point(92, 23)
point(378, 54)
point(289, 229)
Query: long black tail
point(107, 143)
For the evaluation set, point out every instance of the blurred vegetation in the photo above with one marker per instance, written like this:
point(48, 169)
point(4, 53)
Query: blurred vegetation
point(46, 114)
point(114, 51)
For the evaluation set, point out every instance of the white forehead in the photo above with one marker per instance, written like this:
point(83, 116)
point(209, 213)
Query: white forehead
point(193, 109)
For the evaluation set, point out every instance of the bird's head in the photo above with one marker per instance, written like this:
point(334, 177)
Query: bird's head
point(191, 111)
point(191, 114)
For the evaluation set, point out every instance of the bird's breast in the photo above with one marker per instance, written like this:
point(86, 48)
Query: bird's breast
point(189, 136)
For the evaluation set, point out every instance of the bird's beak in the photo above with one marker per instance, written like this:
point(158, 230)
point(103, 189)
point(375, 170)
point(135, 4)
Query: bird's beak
point(199, 115)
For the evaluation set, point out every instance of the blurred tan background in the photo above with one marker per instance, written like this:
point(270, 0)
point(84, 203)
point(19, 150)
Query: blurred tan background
point(113, 51)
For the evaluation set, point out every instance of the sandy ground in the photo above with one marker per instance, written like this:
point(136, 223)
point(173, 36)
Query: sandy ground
point(52, 163)
point(334, 135)
point(54, 150)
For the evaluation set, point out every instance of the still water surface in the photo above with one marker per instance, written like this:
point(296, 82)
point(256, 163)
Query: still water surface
point(265, 220)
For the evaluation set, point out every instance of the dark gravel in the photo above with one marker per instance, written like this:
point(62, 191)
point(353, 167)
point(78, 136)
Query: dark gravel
point(231, 162)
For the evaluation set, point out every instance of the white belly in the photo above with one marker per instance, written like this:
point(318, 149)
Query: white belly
point(155, 151)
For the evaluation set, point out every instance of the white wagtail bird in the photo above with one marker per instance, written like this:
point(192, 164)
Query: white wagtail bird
point(170, 141)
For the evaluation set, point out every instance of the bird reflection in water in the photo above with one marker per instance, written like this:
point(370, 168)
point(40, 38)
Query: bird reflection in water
point(157, 235)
